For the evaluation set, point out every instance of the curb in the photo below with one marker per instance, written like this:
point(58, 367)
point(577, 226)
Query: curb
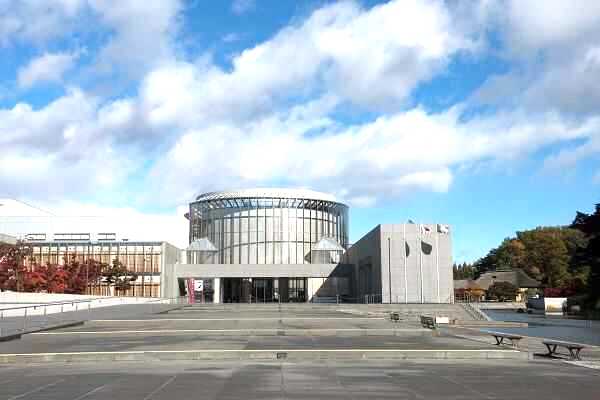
point(14, 336)
point(338, 332)
point(263, 355)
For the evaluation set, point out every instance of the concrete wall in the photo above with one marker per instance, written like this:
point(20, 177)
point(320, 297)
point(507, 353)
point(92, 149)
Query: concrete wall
point(407, 263)
point(9, 301)
point(365, 256)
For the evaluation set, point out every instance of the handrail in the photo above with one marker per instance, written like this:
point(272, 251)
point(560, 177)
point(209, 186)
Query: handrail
point(25, 317)
point(58, 303)
point(53, 303)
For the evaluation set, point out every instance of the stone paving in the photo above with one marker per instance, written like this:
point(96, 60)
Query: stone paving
point(433, 380)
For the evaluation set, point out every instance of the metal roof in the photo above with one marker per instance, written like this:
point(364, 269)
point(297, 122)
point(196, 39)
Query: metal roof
point(267, 193)
point(327, 244)
point(202, 244)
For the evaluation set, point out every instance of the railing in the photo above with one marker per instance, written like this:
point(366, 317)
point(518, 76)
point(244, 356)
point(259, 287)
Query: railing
point(16, 320)
point(474, 312)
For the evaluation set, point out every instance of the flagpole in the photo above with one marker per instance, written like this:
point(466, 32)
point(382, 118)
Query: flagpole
point(437, 262)
point(405, 266)
point(419, 247)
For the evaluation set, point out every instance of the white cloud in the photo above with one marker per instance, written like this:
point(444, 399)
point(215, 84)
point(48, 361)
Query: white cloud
point(143, 33)
point(372, 58)
point(37, 21)
point(272, 117)
point(553, 50)
point(66, 148)
point(49, 67)
point(242, 6)
point(387, 157)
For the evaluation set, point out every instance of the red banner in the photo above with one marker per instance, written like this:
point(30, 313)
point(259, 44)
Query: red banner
point(190, 290)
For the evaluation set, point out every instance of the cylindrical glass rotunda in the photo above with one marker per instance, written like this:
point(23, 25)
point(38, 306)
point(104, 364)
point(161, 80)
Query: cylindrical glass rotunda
point(268, 226)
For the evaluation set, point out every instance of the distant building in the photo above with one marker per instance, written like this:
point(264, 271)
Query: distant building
point(7, 239)
point(253, 245)
point(474, 290)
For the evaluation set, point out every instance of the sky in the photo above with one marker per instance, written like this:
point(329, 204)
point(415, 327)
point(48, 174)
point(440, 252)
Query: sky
point(482, 114)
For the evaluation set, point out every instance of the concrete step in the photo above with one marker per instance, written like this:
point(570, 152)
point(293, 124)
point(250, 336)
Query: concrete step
point(280, 355)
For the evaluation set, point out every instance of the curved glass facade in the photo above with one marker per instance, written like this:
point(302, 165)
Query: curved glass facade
point(264, 228)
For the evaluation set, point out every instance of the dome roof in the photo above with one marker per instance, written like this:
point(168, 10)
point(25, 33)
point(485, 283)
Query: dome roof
point(267, 193)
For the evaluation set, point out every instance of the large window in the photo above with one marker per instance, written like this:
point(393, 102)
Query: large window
point(267, 230)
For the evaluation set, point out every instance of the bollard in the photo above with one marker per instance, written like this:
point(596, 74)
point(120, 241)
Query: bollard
point(25, 320)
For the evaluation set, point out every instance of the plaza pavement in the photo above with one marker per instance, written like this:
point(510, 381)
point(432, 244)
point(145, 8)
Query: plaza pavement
point(246, 333)
point(429, 380)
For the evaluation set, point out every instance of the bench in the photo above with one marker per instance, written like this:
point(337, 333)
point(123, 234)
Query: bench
point(428, 322)
point(574, 348)
point(500, 337)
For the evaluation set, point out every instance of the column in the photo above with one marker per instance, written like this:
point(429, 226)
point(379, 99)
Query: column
point(217, 288)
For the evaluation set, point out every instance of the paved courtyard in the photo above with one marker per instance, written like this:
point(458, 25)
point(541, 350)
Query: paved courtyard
point(244, 333)
point(483, 379)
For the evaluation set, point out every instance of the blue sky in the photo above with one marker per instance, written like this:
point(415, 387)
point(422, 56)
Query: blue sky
point(481, 114)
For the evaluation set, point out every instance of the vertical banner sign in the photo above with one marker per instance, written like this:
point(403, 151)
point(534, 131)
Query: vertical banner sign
point(190, 290)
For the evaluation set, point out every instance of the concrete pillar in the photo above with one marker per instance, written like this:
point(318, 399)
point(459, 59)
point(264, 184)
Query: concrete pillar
point(217, 289)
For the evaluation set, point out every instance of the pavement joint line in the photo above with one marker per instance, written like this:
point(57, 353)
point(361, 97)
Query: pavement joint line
point(83, 396)
point(263, 351)
point(19, 396)
point(236, 319)
point(232, 330)
point(161, 387)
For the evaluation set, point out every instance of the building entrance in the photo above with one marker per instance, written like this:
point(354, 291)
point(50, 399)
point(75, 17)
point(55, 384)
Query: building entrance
point(264, 290)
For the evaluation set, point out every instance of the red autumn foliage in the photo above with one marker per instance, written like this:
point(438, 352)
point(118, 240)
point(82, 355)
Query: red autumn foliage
point(72, 277)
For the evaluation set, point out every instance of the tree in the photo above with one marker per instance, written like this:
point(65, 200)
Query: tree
point(117, 274)
point(463, 271)
point(502, 291)
point(510, 255)
point(547, 257)
point(589, 255)
point(81, 275)
point(13, 273)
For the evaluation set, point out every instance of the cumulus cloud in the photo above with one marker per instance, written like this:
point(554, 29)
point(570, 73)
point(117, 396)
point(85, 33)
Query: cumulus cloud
point(49, 67)
point(143, 33)
point(273, 115)
point(392, 155)
point(373, 58)
point(27, 21)
point(554, 52)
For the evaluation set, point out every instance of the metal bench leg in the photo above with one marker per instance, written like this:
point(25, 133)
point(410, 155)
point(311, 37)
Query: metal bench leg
point(498, 340)
point(574, 353)
point(551, 349)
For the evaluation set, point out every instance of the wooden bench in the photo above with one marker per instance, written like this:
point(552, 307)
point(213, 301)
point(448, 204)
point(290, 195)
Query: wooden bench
point(500, 337)
point(574, 348)
point(428, 322)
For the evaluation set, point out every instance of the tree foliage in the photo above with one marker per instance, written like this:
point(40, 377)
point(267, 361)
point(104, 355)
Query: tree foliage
point(463, 271)
point(502, 291)
point(589, 256)
point(12, 266)
point(118, 275)
point(547, 254)
point(72, 277)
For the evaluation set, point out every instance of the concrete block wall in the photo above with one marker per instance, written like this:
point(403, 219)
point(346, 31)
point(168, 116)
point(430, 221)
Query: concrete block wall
point(418, 259)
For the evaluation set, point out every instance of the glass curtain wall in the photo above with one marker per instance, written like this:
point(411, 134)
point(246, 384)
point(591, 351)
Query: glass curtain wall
point(267, 230)
point(143, 258)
